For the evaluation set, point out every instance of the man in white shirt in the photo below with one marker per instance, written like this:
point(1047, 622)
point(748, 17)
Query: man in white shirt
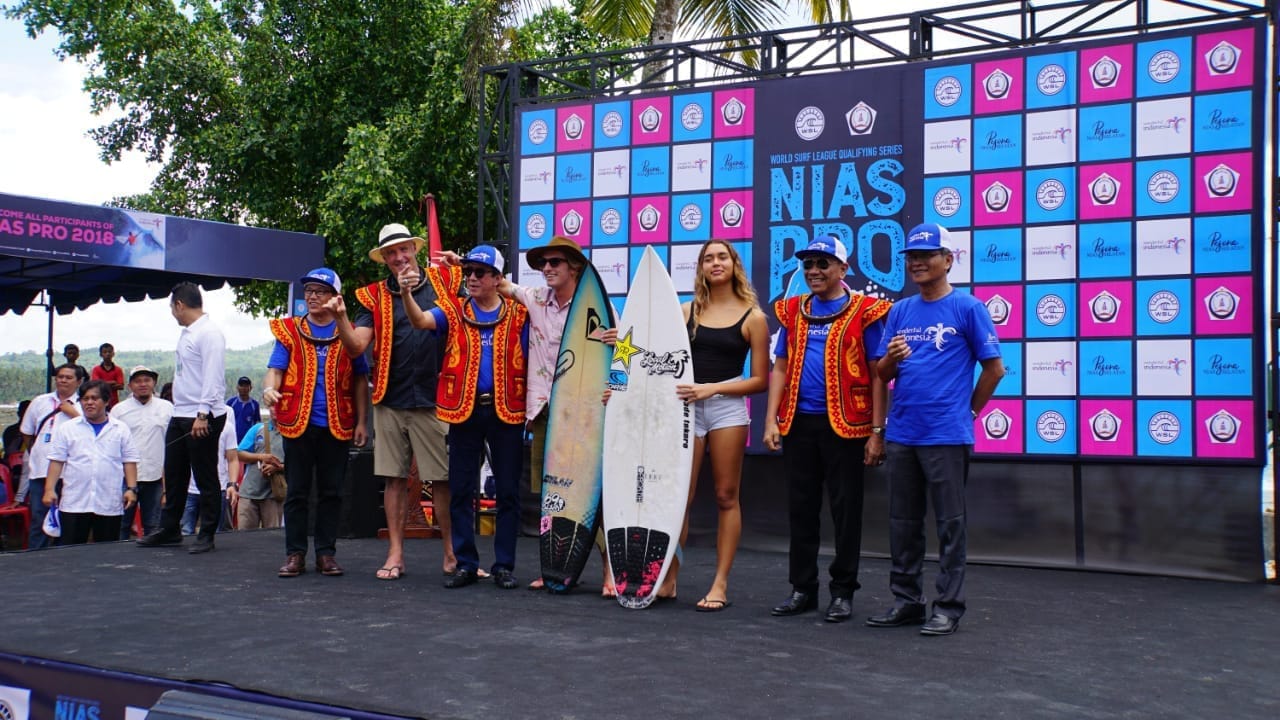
point(147, 415)
point(89, 455)
point(199, 414)
point(43, 417)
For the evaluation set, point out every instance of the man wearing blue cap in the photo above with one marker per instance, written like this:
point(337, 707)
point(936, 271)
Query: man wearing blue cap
point(826, 401)
point(318, 393)
point(931, 342)
point(481, 394)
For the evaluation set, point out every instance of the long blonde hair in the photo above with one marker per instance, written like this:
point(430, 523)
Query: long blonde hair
point(742, 288)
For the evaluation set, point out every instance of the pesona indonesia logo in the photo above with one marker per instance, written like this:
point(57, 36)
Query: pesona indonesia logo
point(1223, 427)
point(572, 175)
point(536, 226)
point(650, 120)
point(810, 122)
point(1220, 120)
point(573, 126)
point(1163, 186)
point(996, 425)
point(861, 119)
point(611, 124)
point(538, 132)
point(648, 169)
point(1222, 59)
point(1051, 79)
point(1051, 310)
point(1164, 427)
point(691, 116)
point(1164, 66)
point(1051, 426)
point(731, 213)
point(1104, 367)
point(1104, 190)
point(1219, 366)
point(1222, 181)
point(733, 164)
point(610, 221)
point(1103, 248)
point(999, 309)
point(1222, 304)
point(571, 223)
point(1101, 131)
point(997, 84)
point(1104, 72)
point(1216, 243)
point(1105, 308)
point(996, 141)
point(733, 111)
point(649, 217)
point(947, 201)
point(996, 254)
point(948, 91)
point(1051, 194)
point(690, 217)
point(1104, 426)
point(996, 197)
point(1163, 307)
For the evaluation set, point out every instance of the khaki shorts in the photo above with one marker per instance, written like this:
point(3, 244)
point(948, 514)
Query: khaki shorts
point(399, 435)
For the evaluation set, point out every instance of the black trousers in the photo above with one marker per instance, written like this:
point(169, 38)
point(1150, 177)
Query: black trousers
point(184, 456)
point(919, 476)
point(77, 527)
point(315, 457)
point(814, 456)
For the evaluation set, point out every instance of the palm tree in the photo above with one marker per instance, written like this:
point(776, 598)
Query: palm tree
point(658, 20)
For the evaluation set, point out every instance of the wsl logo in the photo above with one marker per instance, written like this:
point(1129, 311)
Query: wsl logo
point(536, 226)
point(1163, 307)
point(997, 85)
point(1223, 427)
point(1105, 308)
point(1051, 426)
point(999, 310)
point(731, 214)
point(611, 124)
point(691, 217)
point(1104, 190)
point(1051, 79)
point(996, 425)
point(691, 116)
point(732, 112)
point(861, 119)
point(1051, 309)
point(1104, 73)
point(571, 223)
point(650, 120)
point(1164, 427)
point(610, 221)
point(648, 218)
point(1163, 186)
point(1051, 194)
point(1223, 59)
point(1164, 66)
point(810, 122)
point(1222, 180)
point(996, 197)
point(573, 126)
point(948, 91)
point(538, 132)
point(1222, 304)
point(947, 201)
point(1104, 426)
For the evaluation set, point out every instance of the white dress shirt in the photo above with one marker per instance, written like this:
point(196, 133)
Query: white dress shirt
point(199, 378)
point(148, 422)
point(37, 465)
point(93, 466)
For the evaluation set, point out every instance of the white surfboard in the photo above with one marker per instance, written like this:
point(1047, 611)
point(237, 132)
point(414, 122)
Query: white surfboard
point(648, 436)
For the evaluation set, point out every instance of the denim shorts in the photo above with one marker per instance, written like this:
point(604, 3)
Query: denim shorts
point(719, 411)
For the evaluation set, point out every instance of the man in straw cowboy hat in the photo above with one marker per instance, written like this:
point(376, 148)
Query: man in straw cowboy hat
point(406, 367)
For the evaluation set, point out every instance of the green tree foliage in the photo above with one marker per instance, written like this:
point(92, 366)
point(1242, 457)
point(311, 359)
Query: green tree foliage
point(325, 116)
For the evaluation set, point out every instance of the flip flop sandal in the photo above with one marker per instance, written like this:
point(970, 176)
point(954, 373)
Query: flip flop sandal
point(390, 572)
point(711, 606)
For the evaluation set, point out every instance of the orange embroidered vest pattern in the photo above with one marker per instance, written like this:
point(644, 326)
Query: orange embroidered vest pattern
point(298, 387)
point(376, 298)
point(844, 360)
point(460, 375)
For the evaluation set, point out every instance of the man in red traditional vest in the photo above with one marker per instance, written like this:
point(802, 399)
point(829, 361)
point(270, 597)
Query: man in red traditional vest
point(482, 396)
point(406, 365)
point(319, 392)
point(831, 407)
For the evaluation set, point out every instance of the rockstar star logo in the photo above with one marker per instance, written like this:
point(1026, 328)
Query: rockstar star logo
point(623, 350)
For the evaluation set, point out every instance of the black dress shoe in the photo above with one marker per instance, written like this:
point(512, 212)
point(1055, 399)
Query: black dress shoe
point(505, 579)
point(840, 609)
point(940, 624)
point(898, 615)
point(797, 603)
point(159, 538)
point(461, 577)
point(203, 545)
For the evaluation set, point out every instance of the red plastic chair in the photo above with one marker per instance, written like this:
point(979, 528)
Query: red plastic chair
point(13, 515)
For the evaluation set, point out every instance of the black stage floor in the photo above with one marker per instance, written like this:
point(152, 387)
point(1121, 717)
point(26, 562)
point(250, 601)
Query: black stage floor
point(1034, 644)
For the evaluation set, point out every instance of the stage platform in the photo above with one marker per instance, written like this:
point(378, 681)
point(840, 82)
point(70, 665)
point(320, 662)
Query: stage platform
point(1034, 644)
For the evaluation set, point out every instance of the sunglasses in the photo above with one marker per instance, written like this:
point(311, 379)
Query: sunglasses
point(821, 263)
point(477, 270)
point(554, 262)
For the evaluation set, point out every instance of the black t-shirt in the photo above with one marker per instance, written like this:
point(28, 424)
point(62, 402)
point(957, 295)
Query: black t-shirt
point(416, 355)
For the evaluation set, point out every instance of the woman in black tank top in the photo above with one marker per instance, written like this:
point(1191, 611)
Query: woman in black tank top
point(725, 322)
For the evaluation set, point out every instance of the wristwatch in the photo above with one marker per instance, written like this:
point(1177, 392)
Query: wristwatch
point(877, 430)
point(133, 489)
point(202, 416)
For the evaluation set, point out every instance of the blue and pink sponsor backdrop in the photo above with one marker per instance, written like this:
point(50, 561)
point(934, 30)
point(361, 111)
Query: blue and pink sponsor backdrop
point(1106, 199)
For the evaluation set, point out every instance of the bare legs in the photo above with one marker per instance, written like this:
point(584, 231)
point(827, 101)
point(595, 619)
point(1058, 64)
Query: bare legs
point(395, 502)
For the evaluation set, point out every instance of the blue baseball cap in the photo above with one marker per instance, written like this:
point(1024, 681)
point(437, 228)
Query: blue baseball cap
point(826, 245)
point(323, 276)
point(486, 255)
point(928, 236)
